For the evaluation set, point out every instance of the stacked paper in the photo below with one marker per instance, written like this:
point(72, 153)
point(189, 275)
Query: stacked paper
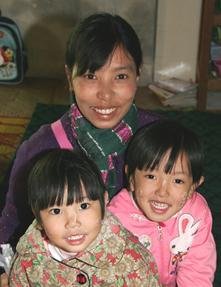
point(175, 92)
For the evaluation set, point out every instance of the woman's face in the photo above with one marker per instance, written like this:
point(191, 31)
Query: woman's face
point(105, 96)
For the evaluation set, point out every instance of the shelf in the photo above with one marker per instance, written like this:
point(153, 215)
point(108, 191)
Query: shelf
point(208, 20)
point(217, 20)
point(214, 84)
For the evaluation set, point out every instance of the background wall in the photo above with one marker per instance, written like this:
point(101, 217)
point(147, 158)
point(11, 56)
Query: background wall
point(46, 24)
point(178, 24)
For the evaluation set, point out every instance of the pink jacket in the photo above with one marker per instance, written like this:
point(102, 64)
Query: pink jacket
point(183, 246)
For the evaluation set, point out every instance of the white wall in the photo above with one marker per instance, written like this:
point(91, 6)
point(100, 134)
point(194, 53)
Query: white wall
point(46, 24)
point(177, 38)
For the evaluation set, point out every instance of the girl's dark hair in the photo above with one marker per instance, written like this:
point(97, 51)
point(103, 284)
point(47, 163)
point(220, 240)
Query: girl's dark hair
point(57, 170)
point(94, 40)
point(150, 144)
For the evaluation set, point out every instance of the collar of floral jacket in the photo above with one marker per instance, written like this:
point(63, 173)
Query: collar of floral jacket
point(107, 249)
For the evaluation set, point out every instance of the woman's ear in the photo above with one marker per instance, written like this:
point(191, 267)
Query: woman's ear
point(69, 77)
point(138, 76)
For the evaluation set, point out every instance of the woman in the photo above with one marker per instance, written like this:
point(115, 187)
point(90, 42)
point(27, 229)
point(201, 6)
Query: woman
point(103, 62)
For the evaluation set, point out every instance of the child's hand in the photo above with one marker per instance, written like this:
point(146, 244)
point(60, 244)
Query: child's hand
point(4, 280)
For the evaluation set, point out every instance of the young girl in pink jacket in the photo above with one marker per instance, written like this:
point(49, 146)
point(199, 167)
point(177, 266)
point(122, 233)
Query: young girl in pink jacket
point(164, 167)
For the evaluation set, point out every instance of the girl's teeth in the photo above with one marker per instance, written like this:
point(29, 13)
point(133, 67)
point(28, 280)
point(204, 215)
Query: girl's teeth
point(159, 205)
point(75, 237)
point(104, 111)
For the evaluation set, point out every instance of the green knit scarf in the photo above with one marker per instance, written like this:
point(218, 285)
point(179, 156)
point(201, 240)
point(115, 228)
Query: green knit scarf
point(102, 145)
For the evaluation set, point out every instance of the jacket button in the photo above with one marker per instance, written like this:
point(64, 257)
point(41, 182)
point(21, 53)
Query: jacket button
point(81, 278)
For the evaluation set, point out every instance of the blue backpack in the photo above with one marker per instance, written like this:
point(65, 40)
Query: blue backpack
point(13, 59)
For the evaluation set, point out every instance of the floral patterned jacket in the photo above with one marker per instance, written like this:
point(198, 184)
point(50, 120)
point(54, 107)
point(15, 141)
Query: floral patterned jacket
point(115, 258)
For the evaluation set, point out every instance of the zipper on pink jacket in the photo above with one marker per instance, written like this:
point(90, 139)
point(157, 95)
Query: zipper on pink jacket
point(160, 226)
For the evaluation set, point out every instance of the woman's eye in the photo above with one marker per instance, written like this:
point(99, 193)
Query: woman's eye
point(90, 76)
point(84, 205)
point(122, 77)
point(55, 211)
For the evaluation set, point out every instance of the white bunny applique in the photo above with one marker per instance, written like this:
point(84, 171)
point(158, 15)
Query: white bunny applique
point(180, 245)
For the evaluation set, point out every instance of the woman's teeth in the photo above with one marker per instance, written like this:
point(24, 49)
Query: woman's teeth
point(105, 111)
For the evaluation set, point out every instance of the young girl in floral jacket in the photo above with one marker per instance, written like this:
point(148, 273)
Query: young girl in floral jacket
point(73, 241)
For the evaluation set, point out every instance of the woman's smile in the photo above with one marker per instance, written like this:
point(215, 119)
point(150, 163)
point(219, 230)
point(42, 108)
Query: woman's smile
point(105, 114)
point(106, 97)
point(104, 111)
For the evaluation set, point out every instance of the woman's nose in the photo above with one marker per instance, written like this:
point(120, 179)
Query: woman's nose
point(105, 91)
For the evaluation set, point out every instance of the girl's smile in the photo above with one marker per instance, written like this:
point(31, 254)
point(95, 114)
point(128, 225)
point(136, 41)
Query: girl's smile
point(72, 228)
point(159, 207)
point(161, 195)
point(76, 239)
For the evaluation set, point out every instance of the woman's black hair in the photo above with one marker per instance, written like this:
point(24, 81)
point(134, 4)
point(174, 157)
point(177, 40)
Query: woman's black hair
point(150, 144)
point(94, 40)
point(58, 170)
